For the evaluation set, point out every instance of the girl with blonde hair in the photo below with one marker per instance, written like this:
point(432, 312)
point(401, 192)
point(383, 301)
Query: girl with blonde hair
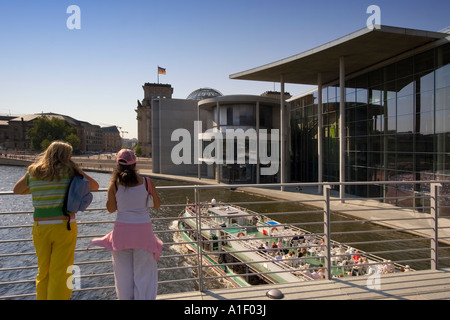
point(47, 179)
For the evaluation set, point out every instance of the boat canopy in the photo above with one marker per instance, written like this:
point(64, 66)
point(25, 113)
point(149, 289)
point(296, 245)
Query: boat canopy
point(227, 211)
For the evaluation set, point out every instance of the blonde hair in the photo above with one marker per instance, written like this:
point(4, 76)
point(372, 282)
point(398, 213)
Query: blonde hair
point(52, 160)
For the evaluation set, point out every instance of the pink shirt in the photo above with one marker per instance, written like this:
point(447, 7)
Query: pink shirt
point(130, 236)
point(133, 228)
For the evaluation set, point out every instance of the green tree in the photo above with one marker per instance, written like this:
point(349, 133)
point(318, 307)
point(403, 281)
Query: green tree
point(46, 130)
point(138, 150)
point(73, 140)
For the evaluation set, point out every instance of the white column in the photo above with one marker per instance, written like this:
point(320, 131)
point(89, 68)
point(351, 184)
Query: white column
point(319, 132)
point(342, 136)
point(218, 166)
point(282, 131)
point(200, 147)
point(258, 179)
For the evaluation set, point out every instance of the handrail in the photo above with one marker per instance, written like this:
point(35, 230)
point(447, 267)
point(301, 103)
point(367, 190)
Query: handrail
point(18, 265)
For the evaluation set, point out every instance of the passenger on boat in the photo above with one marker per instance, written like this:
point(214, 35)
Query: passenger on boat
point(350, 251)
point(359, 267)
point(321, 273)
point(388, 267)
point(297, 237)
point(279, 244)
point(304, 252)
point(356, 256)
point(315, 274)
point(356, 270)
point(281, 247)
point(278, 256)
point(322, 241)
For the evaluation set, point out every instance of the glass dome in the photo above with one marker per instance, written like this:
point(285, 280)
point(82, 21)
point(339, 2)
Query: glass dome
point(204, 93)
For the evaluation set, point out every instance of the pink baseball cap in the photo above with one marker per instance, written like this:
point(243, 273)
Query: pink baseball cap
point(126, 157)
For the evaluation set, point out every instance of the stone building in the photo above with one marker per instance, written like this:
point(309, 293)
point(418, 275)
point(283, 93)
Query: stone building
point(14, 133)
point(111, 139)
point(144, 113)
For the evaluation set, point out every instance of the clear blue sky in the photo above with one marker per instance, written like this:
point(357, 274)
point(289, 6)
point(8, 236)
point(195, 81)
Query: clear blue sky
point(96, 73)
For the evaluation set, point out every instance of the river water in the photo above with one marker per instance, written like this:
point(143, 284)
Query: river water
point(12, 203)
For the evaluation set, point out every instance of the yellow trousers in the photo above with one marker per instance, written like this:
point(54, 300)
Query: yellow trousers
point(55, 250)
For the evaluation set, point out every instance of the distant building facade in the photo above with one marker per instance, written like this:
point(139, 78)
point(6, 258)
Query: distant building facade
point(159, 117)
point(111, 139)
point(144, 113)
point(13, 133)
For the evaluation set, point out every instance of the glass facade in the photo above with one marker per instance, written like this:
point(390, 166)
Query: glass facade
point(204, 93)
point(397, 124)
point(242, 114)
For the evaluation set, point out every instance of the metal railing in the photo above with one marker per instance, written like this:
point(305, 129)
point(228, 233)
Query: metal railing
point(193, 259)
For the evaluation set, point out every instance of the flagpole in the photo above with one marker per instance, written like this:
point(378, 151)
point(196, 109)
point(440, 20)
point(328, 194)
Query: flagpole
point(157, 71)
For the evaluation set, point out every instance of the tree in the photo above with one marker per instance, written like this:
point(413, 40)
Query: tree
point(45, 130)
point(73, 140)
point(138, 150)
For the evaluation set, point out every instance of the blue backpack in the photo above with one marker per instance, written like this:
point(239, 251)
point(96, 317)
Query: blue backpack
point(78, 196)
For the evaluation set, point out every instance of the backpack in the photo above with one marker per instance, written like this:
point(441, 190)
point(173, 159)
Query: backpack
point(78, 196)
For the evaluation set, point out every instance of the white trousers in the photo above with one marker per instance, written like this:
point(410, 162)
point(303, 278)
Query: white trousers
point(135, 274)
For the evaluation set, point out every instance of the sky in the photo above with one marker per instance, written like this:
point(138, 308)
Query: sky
point(95, 73)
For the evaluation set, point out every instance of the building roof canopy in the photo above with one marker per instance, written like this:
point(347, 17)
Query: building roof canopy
point(361, 49)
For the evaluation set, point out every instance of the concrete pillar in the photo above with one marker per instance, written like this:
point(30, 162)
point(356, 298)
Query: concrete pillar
point(200, 147)
point(282, 132)
point(258, 165)
point(342, 135)
point(218, 166)
point(319, 132)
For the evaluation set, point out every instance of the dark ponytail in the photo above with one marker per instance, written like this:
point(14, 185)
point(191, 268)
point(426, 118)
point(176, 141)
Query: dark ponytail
point(126, 175)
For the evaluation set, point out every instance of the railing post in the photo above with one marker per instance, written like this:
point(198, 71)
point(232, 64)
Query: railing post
point(326, 229)
point(199, 240)
point(434, 191)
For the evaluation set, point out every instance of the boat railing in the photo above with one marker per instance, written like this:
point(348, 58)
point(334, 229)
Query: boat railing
point(265, 256)
point(407, 228)
point(301, 268)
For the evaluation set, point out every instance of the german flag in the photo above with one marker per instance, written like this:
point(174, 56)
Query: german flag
point(161, 70)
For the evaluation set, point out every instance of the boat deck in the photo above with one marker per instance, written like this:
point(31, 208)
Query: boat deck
point(277, 271)
point(256, 245)
point(415, 285)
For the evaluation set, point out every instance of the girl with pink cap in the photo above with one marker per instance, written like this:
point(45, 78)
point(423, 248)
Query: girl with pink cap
point(135, 248)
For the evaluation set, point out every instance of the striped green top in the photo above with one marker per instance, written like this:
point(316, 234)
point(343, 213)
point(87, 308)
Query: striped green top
point(48, 196)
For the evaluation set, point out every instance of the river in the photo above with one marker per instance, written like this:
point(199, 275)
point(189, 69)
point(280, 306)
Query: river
point(12, 203)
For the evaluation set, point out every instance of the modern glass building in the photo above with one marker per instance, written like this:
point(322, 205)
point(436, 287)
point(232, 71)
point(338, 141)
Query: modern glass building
point(397, 125)
point(242, 115)
point(381, 110)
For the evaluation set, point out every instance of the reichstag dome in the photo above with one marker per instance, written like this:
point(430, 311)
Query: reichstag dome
point(204, 93)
